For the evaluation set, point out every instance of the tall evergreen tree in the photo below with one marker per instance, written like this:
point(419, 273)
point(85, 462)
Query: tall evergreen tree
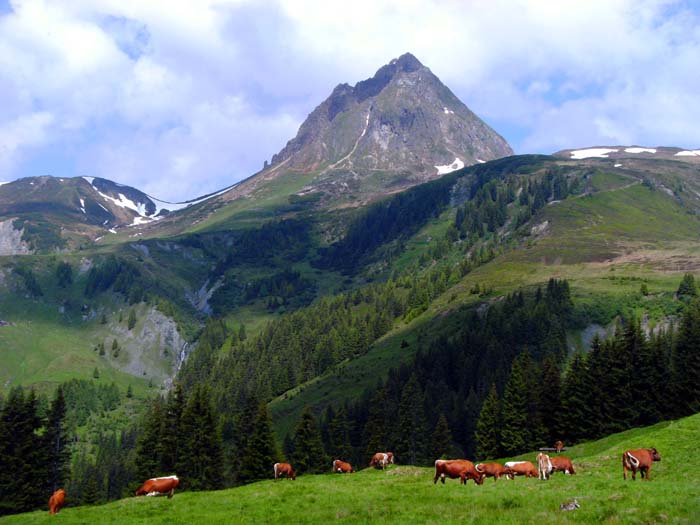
point(260, 452)
point(148, 456)
point(488, 427)
point(22, 456)
point(519, 429)
point(549, 384)
point(309, 455)
point(686, 362)
point(169, 443)
point(339, 445)
point(441, 441)
point(577, 418)
point(56, 443)
point(413, 425)
point(200, 455)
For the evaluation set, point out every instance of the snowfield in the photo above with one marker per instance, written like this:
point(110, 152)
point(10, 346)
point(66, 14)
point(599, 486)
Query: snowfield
point(457, 164)
point(602, 153)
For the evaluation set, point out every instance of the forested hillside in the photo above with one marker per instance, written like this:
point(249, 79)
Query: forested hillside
point(451, 319)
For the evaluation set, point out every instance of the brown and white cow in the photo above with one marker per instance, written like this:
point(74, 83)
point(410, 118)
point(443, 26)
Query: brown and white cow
point(284, 469)
point(562, 464)
point(640, 460)
point(544, 466)
point(558, 446)
point(159, 487)
point(342, 467)
point(520, 468)
point(491, 470)
point(381, 460)
point(56, 501)
point(457, 468)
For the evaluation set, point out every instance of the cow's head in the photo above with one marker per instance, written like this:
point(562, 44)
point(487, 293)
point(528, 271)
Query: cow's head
point(654, 454)
point(292, 475)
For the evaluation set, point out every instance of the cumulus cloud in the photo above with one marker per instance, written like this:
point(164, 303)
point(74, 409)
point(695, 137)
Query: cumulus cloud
point(181, 97)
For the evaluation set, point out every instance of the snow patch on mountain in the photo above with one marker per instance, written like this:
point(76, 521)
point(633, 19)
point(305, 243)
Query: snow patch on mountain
point(82, 206)
point(688, 153)
point(581, 154)
point(457, 164)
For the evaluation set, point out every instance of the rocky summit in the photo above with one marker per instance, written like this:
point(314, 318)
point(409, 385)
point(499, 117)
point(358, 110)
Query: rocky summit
point(397, 128)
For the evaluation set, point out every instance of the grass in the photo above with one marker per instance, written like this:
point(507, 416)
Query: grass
point(406, 494)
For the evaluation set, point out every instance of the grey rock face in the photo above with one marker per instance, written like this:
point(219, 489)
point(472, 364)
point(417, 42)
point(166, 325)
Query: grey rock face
point(402, 122)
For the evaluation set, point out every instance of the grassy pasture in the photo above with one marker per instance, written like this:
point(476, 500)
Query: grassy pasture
point(405, 494)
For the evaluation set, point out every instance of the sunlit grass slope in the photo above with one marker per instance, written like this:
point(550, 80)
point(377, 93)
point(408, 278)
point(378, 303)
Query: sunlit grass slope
point(407, 495)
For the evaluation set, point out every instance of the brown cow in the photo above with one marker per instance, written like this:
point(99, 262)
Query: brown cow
point(159, 486)
point(342, 467)
point(457, 468)
point(640, 460)
point(562, 464)
point(284, 469)
point(56, 501)
point(558, 446)
point(380, 460)
point(520, 468)
point(491, 470)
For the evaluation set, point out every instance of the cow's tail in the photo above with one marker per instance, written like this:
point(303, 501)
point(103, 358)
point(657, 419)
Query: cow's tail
point(632, 461)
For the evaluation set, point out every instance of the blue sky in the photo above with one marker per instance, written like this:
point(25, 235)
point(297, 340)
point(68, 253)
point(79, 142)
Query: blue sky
point(181, 98)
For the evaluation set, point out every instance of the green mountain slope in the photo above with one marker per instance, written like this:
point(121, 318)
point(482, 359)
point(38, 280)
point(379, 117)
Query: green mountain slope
point(407, 494)
point(606, 241)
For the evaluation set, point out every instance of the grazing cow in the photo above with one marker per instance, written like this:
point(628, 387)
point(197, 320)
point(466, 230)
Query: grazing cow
point(284, 469)
point(159, 487)
point(520, 468)
point(342, 467)
point(56, 501)
point(562, 464)
point(559, 446)
point(380, 460)
point(457, 468)
point(640, 460)
point(544, 466)
point(491, 470)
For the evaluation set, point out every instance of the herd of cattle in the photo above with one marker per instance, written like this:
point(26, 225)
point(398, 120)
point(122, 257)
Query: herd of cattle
point(634, 460)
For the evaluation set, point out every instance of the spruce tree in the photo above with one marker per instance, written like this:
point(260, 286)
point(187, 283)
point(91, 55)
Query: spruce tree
point(131, 321)
point(549, 383)
point(488, 427)
point(200, 455)
point(56, 443)
point(577, 417)
point(375, 431)
point(169, 443)
point(309, 455)
point(260, 452)
point(413, 425)
point(688, 287)
point(339, 446)
point(22, 456)
point(686, 362)
point(515, 430)
point(148, 456)
point(441, 440)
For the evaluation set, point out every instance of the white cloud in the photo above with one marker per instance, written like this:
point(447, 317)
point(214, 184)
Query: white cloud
point(24, 132)
point(178, 97)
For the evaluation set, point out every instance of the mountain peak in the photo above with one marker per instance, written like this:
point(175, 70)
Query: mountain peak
point(407, 62)
point(402, 125)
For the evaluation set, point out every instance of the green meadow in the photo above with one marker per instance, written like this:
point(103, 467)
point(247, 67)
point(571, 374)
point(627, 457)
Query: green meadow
point(404, 494)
